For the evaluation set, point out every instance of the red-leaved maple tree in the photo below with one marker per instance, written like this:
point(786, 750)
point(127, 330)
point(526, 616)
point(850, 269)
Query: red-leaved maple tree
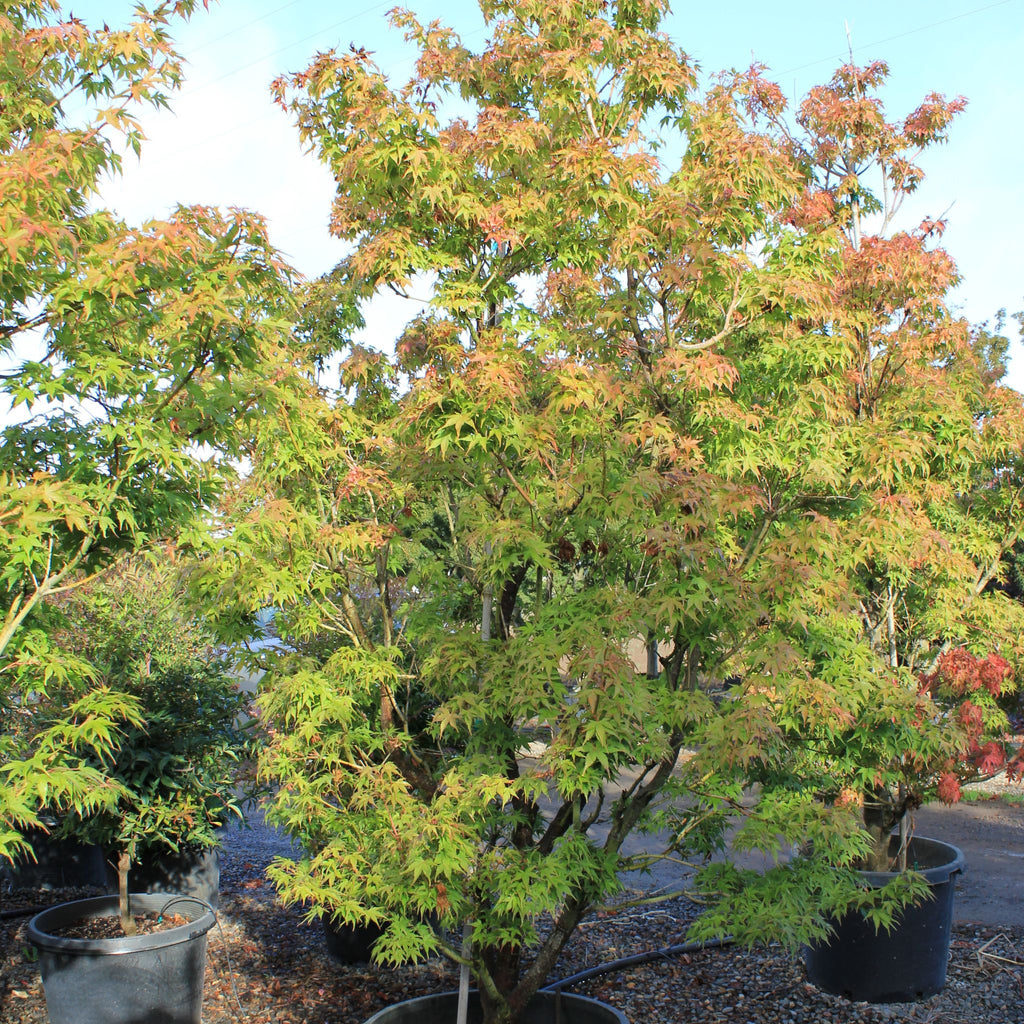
point(929, 484)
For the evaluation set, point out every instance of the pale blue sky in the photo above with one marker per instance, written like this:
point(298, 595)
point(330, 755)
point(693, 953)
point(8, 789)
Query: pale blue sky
point(224, 143)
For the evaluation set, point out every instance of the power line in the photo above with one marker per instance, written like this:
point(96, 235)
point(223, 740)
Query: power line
point(284, 49)
point(242, 28)
point(899, 35)
point(270, 113)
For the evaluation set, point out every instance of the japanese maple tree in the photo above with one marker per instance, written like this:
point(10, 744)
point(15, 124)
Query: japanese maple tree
point(134, 358)
point(625, 416)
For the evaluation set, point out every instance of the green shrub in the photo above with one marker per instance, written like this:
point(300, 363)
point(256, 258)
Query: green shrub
point(179, 766)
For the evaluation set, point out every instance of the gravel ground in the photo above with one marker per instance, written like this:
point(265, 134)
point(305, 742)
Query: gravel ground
point(279, 971)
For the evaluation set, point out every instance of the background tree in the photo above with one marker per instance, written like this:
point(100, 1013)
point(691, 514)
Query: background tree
point(929, 496)
point(135, 360)
point(181, 767)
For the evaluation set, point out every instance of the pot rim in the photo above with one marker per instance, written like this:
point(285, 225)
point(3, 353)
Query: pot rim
point(954, 864)
point(571, 997)
point(63, 914)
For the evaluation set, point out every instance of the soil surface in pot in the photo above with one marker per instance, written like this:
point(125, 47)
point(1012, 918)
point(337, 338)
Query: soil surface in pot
point(109, 927)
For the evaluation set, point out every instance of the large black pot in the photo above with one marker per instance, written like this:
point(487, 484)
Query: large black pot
point(57, 864)
point(140, 979)
point(350, 943)
point(544, 1008)
point(189, 872)
point(906, 963)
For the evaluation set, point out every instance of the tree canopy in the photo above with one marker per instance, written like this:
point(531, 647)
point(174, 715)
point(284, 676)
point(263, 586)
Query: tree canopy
point(680, 385)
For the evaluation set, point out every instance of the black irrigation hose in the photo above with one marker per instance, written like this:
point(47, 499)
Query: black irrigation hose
point(638, 958)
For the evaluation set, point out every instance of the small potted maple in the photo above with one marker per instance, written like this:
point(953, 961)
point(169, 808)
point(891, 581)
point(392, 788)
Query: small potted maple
point(175, 770)
point(171, 769)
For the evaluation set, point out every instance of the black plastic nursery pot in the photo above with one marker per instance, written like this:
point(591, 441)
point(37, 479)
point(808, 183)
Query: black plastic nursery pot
point(350, 943)
point(544, 1008)
point(57, 864)
point(906, 963)
point(187, 872)
point(141, 979)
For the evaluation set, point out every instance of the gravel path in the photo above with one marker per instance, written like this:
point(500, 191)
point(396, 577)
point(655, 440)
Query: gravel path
point(282, 974)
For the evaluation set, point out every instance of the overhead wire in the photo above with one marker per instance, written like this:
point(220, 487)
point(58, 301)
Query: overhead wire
point(241, 28)
point(268, 114)
point(204, 143)
point(235, 129)
point(283, 49)
point(898, 35)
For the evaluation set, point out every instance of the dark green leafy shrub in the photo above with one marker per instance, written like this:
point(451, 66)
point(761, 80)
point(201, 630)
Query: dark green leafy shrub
point(178, 766)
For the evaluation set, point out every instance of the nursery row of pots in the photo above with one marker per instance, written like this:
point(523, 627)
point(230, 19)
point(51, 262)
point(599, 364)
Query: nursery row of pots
point(67, 863)
point(159, 976)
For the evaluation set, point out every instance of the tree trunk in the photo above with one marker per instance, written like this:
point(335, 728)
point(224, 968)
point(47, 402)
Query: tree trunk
point(880, 817)
point(124, 864)
point(502, 963)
